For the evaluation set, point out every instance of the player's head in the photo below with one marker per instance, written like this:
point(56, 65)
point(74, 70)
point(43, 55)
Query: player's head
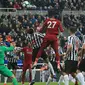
point(29, 45)
point(30, 31)
point(9, 38)
point(51, 13)
point(72, 30)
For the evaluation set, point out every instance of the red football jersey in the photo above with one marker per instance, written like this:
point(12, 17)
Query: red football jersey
point(53, 26)
point(27, 55)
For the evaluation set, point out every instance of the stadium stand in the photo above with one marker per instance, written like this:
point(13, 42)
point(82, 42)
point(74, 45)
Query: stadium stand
point(33, 4)
point(74, 5)
point(45, 4)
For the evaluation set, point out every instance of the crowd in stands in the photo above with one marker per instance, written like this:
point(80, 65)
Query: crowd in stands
point(33, 4)
point(74, 20)
point(74, 5)
point(18, 24)
point(44, 4)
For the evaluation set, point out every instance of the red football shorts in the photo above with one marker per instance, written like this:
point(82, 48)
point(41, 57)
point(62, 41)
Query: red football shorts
point(27, 66)
point(50, 40)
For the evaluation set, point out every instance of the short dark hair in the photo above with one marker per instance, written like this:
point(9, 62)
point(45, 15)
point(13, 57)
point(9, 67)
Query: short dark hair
point(31, 31)
point(73, 29)
point(51, 12)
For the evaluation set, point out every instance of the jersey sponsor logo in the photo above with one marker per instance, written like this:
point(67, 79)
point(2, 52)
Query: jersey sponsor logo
point(29, 52)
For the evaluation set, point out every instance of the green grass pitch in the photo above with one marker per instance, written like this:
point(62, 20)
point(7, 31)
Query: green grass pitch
point(38, 83)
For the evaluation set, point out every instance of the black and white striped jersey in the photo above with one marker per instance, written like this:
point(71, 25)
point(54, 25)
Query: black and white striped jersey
point(83, 38)
point(11, 57)
point(35, 39)
point(75, 43)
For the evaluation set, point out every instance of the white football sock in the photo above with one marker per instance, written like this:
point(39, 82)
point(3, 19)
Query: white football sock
point(51, 68)
point(80, 78)
point(5, 79)
point(60, 79)
point(49, 80)
point(33, 73)
point(66, 80)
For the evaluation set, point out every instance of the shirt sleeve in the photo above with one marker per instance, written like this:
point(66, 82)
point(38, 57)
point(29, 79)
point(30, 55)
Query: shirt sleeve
point(61, 27)
point(40, 34)
point(11, 48)
point(69, 40)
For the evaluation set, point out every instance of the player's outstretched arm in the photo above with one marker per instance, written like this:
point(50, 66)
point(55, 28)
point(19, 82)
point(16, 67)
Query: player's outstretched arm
point(11, 48)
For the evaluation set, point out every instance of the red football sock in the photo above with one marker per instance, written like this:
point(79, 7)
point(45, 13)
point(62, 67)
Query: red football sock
point(57, 58)
point(23, 77)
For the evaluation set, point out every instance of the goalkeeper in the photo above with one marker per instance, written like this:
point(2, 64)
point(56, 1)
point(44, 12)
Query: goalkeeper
point(3, 69)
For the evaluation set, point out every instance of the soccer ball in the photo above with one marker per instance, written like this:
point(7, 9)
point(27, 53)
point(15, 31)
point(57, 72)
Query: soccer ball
point(25, 4)
point(28, 5)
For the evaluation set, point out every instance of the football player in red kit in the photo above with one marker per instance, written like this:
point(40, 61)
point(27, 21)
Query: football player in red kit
point(52, 27)
point(27, 63)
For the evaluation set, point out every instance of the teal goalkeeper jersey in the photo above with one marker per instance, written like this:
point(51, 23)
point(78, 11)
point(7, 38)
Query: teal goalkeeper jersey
point(3, 49)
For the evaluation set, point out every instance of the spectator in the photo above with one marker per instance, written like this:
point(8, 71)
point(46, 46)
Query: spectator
point(10, 5)
point(17, 6)
point(33, 20)
point(24, 24)
point(33, 4)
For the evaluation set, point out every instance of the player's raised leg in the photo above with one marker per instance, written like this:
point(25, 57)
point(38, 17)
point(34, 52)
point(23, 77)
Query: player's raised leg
point(23, 76)
point(55, 47)
point(41, 51)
